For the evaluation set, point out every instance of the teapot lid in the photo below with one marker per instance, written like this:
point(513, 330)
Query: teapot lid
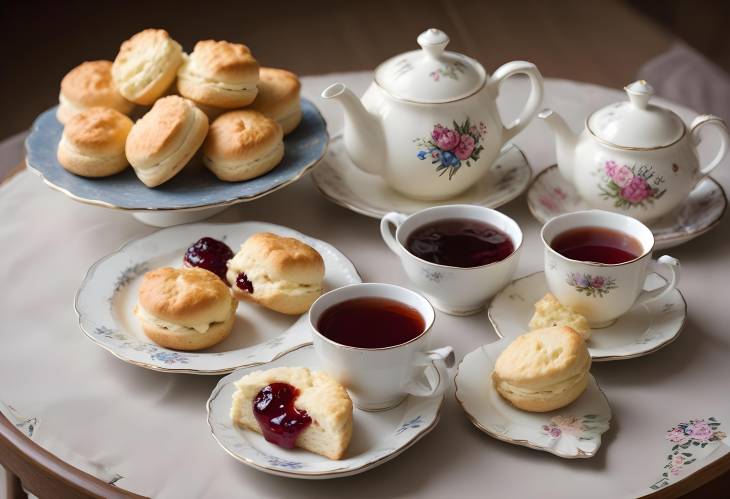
point(430, 75)
point(636, 123)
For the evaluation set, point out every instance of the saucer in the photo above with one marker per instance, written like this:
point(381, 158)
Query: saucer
point(571, 432)
point(340, 181)
point(550, 195)
point(108, 294)
point(641, 331)
point(377, 437)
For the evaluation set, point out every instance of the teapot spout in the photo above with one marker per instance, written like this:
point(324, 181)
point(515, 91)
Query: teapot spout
point(363, 134)
point(565, 142)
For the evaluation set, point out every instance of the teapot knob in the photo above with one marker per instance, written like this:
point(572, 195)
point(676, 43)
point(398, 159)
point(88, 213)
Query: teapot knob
point(433, 41)
point(639, 93)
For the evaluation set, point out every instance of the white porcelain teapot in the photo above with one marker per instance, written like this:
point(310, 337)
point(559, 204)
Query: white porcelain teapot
point(634, 157)
point(428, 124)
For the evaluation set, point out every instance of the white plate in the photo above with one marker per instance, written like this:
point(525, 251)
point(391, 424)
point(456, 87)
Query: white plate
point(340, 181)
point(641, 331)
point(550, 195)
point(107, 297)
point(571, 432)
point(377, 437)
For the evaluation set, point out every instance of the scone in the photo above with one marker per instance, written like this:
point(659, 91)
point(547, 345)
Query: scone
point(92, 144)
point(543, 370)
point(219, 74)
point(280, 273)
point(316, 410)
point(550, 312)
point(279, 98)
point(146, 65)
point(164, 140)
point(89, 85)
point(185, 309)
point(242, 145)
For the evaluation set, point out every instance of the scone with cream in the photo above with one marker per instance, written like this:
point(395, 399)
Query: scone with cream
point(550, 312)
point(295, 407)
point(219, 74)
point(185, 309)
point(543, 370)
point(279, 98)
point(280, 273)
point(146, 65)
point(89, 85)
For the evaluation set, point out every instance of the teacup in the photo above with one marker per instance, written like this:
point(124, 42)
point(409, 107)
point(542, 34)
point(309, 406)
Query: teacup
point(602, 292)
point(454, 290)
point(380, 378)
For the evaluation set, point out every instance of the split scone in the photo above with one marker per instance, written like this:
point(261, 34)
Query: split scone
point(146, 65)
point(185, 309)
point(295, 407)
point(543, 370)
point(219, 74)
point(280, 273)
point(550, 312)
point(279, 98)
point(89, 85)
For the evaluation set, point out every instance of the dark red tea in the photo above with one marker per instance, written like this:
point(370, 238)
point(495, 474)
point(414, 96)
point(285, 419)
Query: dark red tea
point(597, 244)
point(459, 242)
point(371, 323)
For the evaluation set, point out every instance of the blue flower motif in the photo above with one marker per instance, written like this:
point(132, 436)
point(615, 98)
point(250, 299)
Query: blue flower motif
point(422, 154)
point(449, 159)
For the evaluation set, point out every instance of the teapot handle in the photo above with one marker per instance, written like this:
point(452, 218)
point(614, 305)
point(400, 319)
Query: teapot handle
point(533, 101)
point(719, 124)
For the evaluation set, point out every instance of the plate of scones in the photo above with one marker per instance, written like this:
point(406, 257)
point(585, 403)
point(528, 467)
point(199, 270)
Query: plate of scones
point(161, 129)
point(208, 298)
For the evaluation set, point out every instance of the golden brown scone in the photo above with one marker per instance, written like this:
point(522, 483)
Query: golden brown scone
point(543, 370)
point(92, 144)
point(242, 145)
point(164, 140)
point(89, 85)
point(280, 273)
point(185, 309)
point(550, 312)
point(325, 401)
point(279, 98)
point(146, 65)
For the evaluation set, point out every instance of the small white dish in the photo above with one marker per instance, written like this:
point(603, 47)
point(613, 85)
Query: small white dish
point(641, 331)
point(108, 294)
point(571, 432)
point(377, 437)
point(340, 181)
point(550, 195)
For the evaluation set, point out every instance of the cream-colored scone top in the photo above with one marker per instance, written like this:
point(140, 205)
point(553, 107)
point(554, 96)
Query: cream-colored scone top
point(286, 273)
point(242, 145)
point(550, 312)
point(92, 144)
point(324, 400)
point(89, 85)
point(164, 140)
point(219, 74)
point(186, 308)
point(279, 97)
point(543, 370)
point(146, 66)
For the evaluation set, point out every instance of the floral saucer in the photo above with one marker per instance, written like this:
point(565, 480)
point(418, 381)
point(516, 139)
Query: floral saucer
point(571, 432)
point(550, 195)
point(340, 181)
point(108, 294)
point(641, 331)
point(377, 437)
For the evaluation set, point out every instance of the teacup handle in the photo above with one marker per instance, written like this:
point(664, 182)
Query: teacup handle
point(442, 359)
point(396, 219)
point(533, 101)
point(664, 263)
point(721, 126)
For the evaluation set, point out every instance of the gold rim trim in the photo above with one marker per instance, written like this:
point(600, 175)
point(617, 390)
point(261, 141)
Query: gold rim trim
point(630, 148)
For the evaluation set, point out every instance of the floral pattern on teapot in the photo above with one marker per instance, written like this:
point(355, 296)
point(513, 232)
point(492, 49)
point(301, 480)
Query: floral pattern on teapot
point(630, 186)
point(449, 148)
point(451, 71)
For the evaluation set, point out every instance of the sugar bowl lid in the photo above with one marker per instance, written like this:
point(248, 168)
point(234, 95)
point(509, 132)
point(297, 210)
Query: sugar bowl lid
point(430, 75)
point(636, 123)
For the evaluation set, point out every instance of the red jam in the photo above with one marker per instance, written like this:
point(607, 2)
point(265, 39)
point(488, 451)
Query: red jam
point(280, 422)
point(243, 283)
point(209, 254)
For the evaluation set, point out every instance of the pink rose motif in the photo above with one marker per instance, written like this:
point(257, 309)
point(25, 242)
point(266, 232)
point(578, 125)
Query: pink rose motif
point(465, 147)
point(678, 459)
point(610, 168)
point(548, 203)
point(700, 431)
point(636, 190)
point(622, 176)
point(437, 132)
point(447, 139)
point(677, 436)
point(473, 131)
point(598, 282)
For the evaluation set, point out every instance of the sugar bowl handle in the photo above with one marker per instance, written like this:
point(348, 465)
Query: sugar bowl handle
point(533, 101)
point(720, 125)
point(396, 219)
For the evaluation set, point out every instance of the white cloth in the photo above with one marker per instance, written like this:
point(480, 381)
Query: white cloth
point(111, 418)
